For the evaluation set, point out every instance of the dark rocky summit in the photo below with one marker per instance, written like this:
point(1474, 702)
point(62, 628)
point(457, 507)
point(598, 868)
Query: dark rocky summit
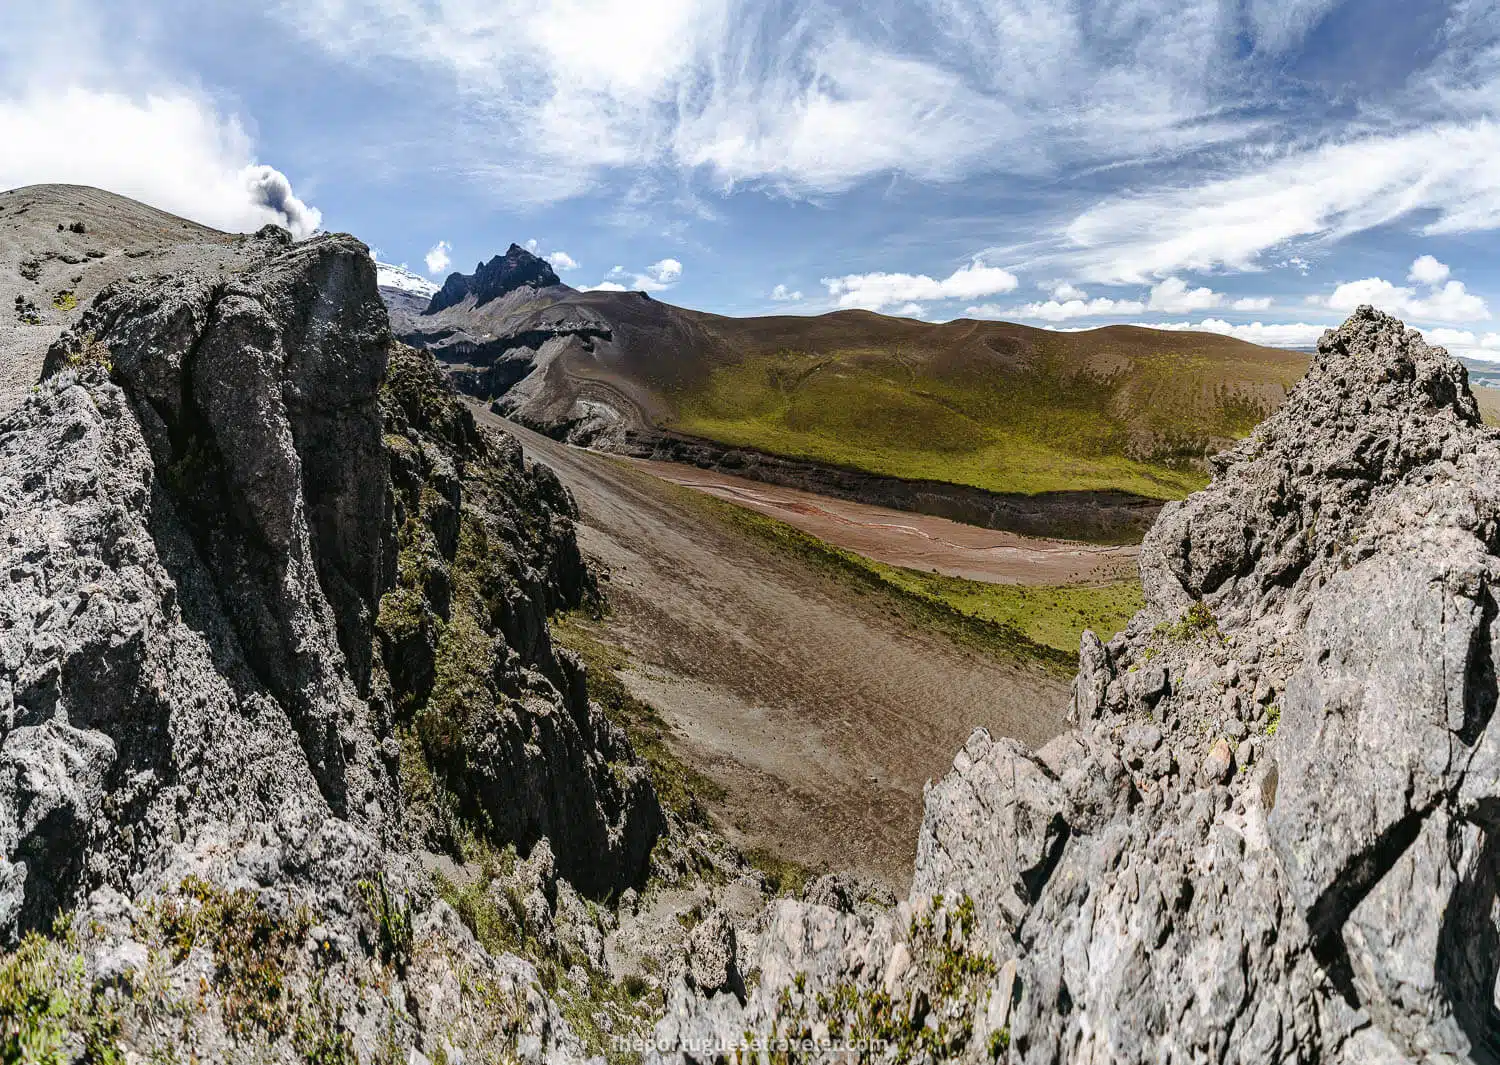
point(502, 275)
point(1274, 832)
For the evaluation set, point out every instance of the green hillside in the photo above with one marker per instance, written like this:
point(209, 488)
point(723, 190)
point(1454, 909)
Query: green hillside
point(1136, 420)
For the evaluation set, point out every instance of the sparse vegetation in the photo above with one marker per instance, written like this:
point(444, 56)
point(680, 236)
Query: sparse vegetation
point(936, 1024)
point(783, 875)
point(1196, 623)
point(253, 949)
point(392, 916)
point(47, 1010)
point(65, 300)
point(27, 312)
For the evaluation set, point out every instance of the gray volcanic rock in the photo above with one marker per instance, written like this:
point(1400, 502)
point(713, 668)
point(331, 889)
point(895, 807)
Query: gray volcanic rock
point(1272, 834)
point(234, 515)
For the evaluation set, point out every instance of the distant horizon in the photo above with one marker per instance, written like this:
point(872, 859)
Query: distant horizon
point(431, 286)
point(1246, 167)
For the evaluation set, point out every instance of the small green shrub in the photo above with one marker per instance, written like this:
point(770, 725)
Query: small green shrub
point(253, 950)
point(1196, 623)
point(783, 875)
point(47, 1008)
point(393, 932)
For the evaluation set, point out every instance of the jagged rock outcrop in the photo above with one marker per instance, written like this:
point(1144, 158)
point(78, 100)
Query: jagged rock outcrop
point(500, 276)
point(1272, 834)
point(484, 551)
point(275, 619)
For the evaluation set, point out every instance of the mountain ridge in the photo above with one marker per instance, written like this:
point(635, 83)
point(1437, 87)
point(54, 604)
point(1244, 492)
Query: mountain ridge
point(991, 405)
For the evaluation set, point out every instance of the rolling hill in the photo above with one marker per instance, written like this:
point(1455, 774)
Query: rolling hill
point(996, 406)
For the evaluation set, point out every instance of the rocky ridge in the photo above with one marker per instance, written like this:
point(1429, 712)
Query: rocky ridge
point(280, 713)
point(1271, 834)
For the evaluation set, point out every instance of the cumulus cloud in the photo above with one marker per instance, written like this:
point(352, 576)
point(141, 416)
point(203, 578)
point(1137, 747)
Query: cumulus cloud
point(1066, 291)
point(876, 291)
point(782, 294)
point(1426, 270)
point(1172, 296)
point(1271, 335)
point(665, 271)
point(1252, 303)
point(658, 277)
point(560, 260)
point(438, 258)
point(1062, 310)
point(1466, 343)
point(170, 149)
point(1445, 300)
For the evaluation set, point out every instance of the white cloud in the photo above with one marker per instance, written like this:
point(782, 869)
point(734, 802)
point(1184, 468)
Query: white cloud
point(437, 257)
point(1456, 338)
point(1252, 303)
point(782, 294)
point(1443, 173)
point(1065, 291)
point(170, 149)
point(665, 271)
point(1272, 335)
point(877, 291)
point(910, 310)
point(1172, 296)
point(1062, 311)
point(658, 277)
point(809, 99)
point(1466, 343)
point(560, 260)
point(1445, 300)
point(1426, 270)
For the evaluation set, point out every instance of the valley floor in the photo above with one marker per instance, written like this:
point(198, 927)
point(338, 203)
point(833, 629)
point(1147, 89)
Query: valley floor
point(819, 706)
point(915, 541)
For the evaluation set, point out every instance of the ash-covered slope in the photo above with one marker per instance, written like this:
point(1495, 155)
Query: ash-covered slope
point(1274, 832)
point(274, 624)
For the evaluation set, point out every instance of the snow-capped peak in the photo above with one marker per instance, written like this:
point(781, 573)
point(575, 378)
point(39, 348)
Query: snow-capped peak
point(389, 276)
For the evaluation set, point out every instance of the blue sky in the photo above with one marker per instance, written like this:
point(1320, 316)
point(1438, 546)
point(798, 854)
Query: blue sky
point(1257, 167)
